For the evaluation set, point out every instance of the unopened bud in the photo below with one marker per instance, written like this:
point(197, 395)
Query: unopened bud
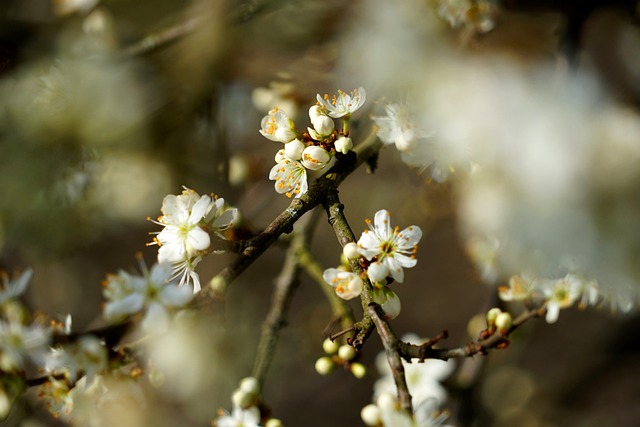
point(377, 271)
point(492, 314)
point(346, 352)
point(315, 158)
point(343, 144)
point(250, 385)
point(241, 399)
point(293, 149)
point(391, 306)
point(324, 365)
point(358, 370)
point(218, 285)
point(314, 112)
point(386, 402)
point(370, 414)
point(504, 323)
point(350, 250)
point(274, 422)
point(330, 347)
point(323, 125)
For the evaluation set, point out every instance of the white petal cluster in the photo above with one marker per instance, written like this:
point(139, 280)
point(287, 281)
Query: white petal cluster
point(348, 285)
point(424, 384)
point(20, 343)
point(152, 292)
point(188, 219)
point(312, 150)
point(88, 355)
point(239, 417)
point(390, 249)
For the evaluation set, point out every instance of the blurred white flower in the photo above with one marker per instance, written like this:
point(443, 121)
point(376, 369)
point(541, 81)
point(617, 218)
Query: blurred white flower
point(127, 294)
point(393, 249)
point(15, 287)
point(249, 417)
point(423, 379)
point(88, 355)
point(560, 294)
point(20, 343)
point(344, 104)
point(399, 127)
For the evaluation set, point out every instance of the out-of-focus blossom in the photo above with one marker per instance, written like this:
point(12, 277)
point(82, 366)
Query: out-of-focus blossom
point(20, 343)
point(14, 288)
point(249, 417)
point(423, 379)
point(560, 294)
point(152, 291)
point(88, 355)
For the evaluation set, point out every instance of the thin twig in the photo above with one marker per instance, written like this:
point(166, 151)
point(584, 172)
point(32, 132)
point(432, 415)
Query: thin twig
point(285, 285)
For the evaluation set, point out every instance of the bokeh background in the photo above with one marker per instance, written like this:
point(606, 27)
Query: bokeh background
point(108, 106)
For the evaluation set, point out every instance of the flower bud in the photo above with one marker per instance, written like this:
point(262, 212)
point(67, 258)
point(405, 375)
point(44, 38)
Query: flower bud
point(293, 150)
point(323, 125)
point(280, 157)
point(358, 370)
point(315, 158)
point(504, 323)
point(377, 271)
point(241, 399)
point(386, 402)
point(391, 306)
point(370, 414)
point(350, 250)
point(274, 422)
point(492, 314)
point(314, 112)
point(218, 285)
point(330, 347)
point(250, 385)
point(285, 134)
point(324, 365)
point(346, 352)
point(343, 144)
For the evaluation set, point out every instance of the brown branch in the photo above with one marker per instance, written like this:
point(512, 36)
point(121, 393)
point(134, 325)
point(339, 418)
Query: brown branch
point(283, 223)
point(285, 285)
point(479, 347)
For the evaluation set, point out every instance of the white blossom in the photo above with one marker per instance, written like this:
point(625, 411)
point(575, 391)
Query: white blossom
point(560, 294)
point(290, 176)
point(293, 149)
point(392, 249)
point(348, 285)
point(153, 291)
point(343, 144)
point(249, 417)
point(398, 127)
point(19, 343)
point(344, 104)
point(15, 287)
point(277, 126)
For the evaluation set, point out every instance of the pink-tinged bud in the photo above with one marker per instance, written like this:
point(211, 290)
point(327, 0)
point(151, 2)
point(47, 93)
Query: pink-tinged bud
point(315, 158)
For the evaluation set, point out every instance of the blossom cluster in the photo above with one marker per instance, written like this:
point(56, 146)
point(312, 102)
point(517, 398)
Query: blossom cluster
point(555, 294)
point(424, 384)
point(189, 220)
point(386, 251)
point(313, 150)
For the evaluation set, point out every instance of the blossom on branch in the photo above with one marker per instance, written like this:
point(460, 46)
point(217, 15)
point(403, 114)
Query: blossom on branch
point(290, 176)
point(188, 221)
point(343, 104)
point(277, 126)
point(348, 285)
point(389, 248)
